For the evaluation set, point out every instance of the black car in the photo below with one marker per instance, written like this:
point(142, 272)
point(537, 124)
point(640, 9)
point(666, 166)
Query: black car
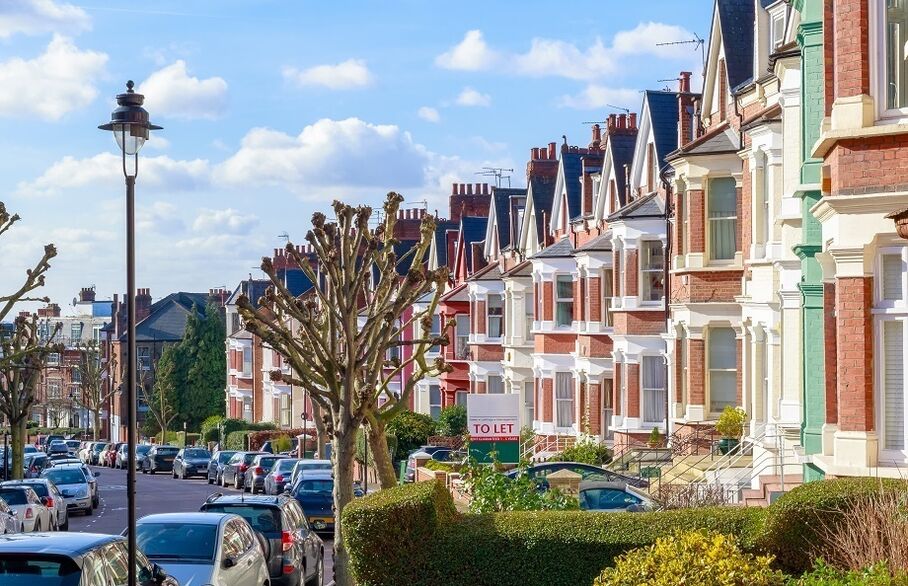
point(539, 472)
point(71, 559)
point(191, 461)
point(234, 471)
point(216, 465)
point(254, 479)
point(296, 552)
point(159, 459)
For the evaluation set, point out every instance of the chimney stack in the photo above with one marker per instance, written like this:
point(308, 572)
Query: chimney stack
point(143, 304)
point(632, 121)
point(687, 128)
point(622, 121)
point(684, 82)
point(87, 294)
point(534, 153)
point(597, 137)
point(552, 154)
point(612, 121)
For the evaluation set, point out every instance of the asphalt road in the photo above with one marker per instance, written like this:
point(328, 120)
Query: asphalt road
point(154, 494)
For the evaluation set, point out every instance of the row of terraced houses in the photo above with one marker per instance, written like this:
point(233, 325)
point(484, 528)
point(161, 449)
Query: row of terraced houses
point(732, 244)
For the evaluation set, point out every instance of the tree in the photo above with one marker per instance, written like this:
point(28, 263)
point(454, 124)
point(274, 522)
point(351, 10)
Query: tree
point(23, 352)
point(94, 374)
point(160, 395)
point(411, 430)
point(202, 359)
point(336, 338)
point(452, 421)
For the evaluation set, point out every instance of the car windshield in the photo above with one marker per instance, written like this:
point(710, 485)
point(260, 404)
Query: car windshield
point(142, 449)
point(13, 496)
point(315, 486)
point(196, 453)
point(167, 451)
point(285, 465)
point(39, 487)
point(223, 457)
point(99, 447)
point(606, 499)
point(65, 476)
point(267, 463)
point(73, 443)
point(28, 569)
point(248, 458)
point(315, 465)
point(192, 542)
point(265, 520)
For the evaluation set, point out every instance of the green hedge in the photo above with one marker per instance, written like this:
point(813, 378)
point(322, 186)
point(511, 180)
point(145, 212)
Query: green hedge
point(235, 440)
point(796, 523)
point(433, 545)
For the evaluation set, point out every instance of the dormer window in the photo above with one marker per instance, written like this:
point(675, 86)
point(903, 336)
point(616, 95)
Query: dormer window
point(777, 31)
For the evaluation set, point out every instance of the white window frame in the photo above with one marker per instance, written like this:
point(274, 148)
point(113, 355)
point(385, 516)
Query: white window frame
point(710, 369)
point(499, 317)
point(880, 302)
point(144, 357)
point(460, 397)
point(556, 400)
point(889, 310)
point(461, 340)
point(644, 282)
point(777, 19)
point(434, 330)
point(489, 378)
point(878, 78)
point(556, 300)
point(435, 407)
point(710, 221)
point(529, 401)
point(608, 293)
point(246, 372)
point(528, 313)
point(643, 390)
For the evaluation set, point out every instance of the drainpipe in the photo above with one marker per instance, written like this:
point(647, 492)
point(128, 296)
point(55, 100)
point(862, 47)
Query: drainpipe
point(667, 290)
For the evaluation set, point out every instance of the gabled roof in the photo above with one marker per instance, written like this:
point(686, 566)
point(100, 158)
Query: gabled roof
point(502, 210)
point(252, 288)
point(441, 241)
point(490, 272)
point(622, 149)
point(295, 280)
point(571, 168)
point(648, 206)
point(603, 242)
point(663, 114)
point(721, 139)
point(167, 320)
point(736, 17)
point(543, 191)
point(472, 229)
point(562, 248)
point(524, 269)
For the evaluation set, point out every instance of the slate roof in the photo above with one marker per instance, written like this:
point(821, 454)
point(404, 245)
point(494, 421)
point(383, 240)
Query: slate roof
point(648, 206)
point(489, 272)
point(296, 281)
point(502, 199)
point(736, 17)
point(663, 115)
point(524, 269)
point(167, 320)
point(722, 139)
point(599, 243)
point(572, 166)
point(441, 244)
point(472, 229)
point(560, 249)
point(543, 190)
point(622, 147)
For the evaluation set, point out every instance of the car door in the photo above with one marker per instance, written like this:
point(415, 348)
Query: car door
point(116, 564)
point(93, 571)
point(303, 538)
point(252, 559)
point(231, 548)
point(178, 463)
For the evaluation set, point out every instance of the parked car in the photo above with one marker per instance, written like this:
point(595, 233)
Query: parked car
point(254, 479)
point(122, 461)
point(305, 465)
point(586, 471)
point(85, 451)
point(279, 477)
point(96, 451)
point(71, 559)
point(216, 465)
point(9, 520)
point(204, 548)
point(91, 475)
point(45, 442)
point(159, 459)
point(73, 483)
point(601, 495)
point(61, 457)
point(73, 446)
point(268, 446)
point(29, 449)
point(234, 471)
point(109, 456)
point(57, 447)
point(32, 513)
point(189, 462)
point(296, 552)
point(50, 496)
point(35, 464)
point(313, 491)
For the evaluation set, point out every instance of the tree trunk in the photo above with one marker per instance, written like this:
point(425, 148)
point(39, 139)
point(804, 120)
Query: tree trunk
point(344, 450)
point(96, 420)
point(18, 436)
point(381, 455)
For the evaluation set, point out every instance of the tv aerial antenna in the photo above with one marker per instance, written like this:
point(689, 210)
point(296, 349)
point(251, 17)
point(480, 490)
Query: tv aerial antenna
point(499, 173)
point(697, 42)
point(613, 107)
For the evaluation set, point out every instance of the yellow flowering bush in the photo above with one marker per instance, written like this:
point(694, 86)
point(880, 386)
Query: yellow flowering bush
point(692, 558)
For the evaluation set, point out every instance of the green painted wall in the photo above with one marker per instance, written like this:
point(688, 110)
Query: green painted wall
point(810, 40)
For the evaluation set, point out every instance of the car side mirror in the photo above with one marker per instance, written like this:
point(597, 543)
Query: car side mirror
point(229, 562)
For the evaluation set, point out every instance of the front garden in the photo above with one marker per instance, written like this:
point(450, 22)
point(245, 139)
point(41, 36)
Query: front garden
point(413, 535)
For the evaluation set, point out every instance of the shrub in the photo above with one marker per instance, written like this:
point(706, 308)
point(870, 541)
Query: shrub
point(235, 440)
point(211, 428)
point(588, 451)
point(258, 438)
point(731, 422)
point(826, 575)
point(695, 557)
point(491, 491)
point(411, 430)
point(31, 423)
point(452, 421)
point(281, 443)
point(799, 523)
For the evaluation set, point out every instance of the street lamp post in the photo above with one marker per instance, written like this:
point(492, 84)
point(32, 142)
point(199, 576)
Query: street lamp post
point(305, 417)
point(130, 127)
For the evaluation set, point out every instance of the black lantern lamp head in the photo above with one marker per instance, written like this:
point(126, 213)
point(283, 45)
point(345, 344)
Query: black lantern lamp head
point(129, 122)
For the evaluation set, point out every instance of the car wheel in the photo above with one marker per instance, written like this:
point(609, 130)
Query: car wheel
point(65, 525)
point(89, 512)
point(183, 474)
point(38, 527)
point(94, 503)
point(236, 483)
point(151, 471)
point(208, 477)
point(173, 473)
point(144, 471)
point(318, 578)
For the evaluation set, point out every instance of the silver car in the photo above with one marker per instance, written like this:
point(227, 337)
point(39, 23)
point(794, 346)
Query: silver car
point(306, 465)
point(50, 496)
point(204, 548)
point(91, 475)
point(73, 483)
point(9, 520)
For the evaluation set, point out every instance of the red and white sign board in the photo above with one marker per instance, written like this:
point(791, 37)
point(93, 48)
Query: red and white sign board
point(493, 418)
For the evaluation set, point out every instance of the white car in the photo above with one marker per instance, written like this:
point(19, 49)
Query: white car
point(204, 548)
point(50, 496)
point(73, 483)
point(32, 514)
point(9, 520)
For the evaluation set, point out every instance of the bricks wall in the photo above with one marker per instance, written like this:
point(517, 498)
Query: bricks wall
point(723, 93)
point(745, 211)
point(547, 389)
point(829, 345)
point(257, 381)
point(578, 288)
point(869, 165)
point(630, 274)
point(696, 231)
point(594, 299)
point(547, 301)
point(487, 352)
point(705, 286)
point(633, 390)
point(851, 45)
point(679, 371)
point(644, 323)
point(854, 298)
point(554, 343)
point(595, 346)
point(479, 387)
point(696, 372)
point(828, 58)
point(480, 318)
point(595, 409)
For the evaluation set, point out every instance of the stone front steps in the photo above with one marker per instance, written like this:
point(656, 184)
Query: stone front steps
point(771, 487)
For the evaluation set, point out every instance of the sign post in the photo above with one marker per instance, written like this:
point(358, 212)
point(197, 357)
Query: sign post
point(493, 422)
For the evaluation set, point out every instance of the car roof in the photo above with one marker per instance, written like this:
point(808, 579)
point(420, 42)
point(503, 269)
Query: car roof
point(197, 518)
point(313, 461)
point(62, 543)
point(318, 474)
point(258, 500)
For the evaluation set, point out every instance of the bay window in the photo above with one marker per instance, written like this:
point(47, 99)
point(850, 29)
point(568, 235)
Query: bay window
point(564, 399)
point(495, 315)
point(722, 212)
point(652, 271)
point(607, 294)
point(495, 385)
point(564, 300)
point(528, 317)
point(529, 396)
point(434, 401)
point(896, 69)
point(723, 369)
point(891, 407)
point(435, 332)
point(653, 379)
point(460, 398)
point(462, 337)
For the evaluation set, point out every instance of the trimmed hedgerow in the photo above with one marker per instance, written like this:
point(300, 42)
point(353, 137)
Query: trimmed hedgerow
point(796, 524)
point(411, 535)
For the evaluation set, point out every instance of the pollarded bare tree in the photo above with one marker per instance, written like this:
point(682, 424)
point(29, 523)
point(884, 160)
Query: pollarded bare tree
point(94, 374)
point(23, 352)
point(336, 338)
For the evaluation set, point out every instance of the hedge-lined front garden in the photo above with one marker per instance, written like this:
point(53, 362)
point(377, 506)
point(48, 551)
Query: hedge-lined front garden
point(412, 535)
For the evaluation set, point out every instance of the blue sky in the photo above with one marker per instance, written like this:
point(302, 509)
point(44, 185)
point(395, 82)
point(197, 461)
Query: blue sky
point(273, 108)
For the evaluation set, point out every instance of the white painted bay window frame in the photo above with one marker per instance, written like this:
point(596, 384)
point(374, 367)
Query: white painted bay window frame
point(891, 342)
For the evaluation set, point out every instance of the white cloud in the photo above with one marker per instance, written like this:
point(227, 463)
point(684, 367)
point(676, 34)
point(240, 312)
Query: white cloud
point(428, 114)
point(548, 57)
point(157, 142)
point(229, 221)
point(160, 216)
point(644, 39)
point(37, 17)
point(172, 92)
point(471, 54)
point(53, 84)
point(349, 74)
point(470, 97)
point(599, 96)
point(104, 170)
